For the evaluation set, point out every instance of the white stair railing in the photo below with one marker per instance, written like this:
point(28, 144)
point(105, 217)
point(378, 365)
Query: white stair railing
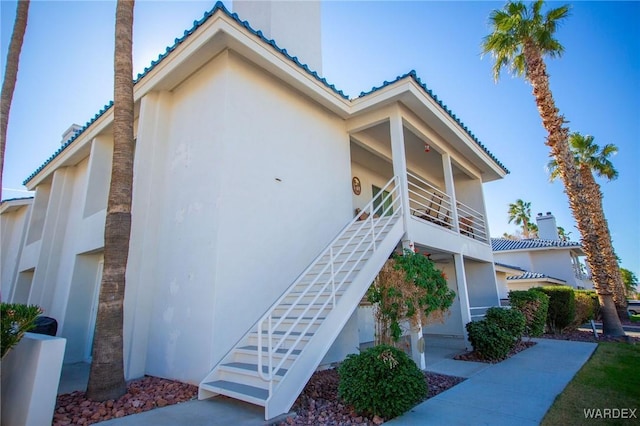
point(371, 222)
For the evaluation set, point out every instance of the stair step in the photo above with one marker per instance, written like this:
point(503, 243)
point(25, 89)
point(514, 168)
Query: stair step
point(253, 368)
point(293, 318)
point(254, 348)
point(283, 307)
point(247, 393)
point(282, 333)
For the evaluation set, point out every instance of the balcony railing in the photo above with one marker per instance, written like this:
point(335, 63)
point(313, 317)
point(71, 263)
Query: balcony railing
point(471, 223)
point(431, 204)
point(428, 202)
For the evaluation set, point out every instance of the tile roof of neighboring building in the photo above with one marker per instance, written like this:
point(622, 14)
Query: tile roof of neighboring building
point(510, 266)
point(532, 276)
point(219, 6)
point(504, 244)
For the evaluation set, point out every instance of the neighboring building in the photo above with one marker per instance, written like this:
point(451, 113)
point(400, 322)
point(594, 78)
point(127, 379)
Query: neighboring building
point(534, 262)
point(247, 264)
point(14, 215)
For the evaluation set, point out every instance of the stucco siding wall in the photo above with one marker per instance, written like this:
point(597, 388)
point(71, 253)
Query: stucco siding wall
point(12, 228)
point(368, 177)
point(503, 287)
point(258, 182)
point(554, 263)
point(520, 259)
point(77, 182)
point(481, 284)
point(176, 222)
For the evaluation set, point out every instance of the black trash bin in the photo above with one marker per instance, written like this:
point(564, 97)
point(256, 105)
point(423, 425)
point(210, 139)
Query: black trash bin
point(45, 325)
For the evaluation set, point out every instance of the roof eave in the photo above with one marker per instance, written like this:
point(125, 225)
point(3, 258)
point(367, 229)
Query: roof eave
point(409, 90)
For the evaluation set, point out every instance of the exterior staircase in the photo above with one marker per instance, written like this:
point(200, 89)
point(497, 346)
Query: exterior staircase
point(274, 360)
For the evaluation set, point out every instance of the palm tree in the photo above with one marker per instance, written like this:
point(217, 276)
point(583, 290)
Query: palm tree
point(520, 214)
point(590, 159)
point(563, 234)
point(106, 378)
point(11, 75)
point(522, 36)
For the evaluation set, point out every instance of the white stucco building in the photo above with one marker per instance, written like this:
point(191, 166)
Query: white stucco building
point(247, 260)
point(535, 262)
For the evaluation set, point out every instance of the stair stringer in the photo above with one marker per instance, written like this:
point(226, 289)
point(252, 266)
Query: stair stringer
point(292, 384)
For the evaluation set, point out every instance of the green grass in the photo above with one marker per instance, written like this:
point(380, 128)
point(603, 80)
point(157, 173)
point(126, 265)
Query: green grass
point(635, 318)
point(610, 379)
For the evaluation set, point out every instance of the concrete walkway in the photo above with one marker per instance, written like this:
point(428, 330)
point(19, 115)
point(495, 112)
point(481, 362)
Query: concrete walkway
point(518, 391)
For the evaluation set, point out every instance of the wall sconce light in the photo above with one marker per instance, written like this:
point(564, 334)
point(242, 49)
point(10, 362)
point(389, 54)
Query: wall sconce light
point(427, 148)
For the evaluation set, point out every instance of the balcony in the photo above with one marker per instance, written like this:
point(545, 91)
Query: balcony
point(430, 204)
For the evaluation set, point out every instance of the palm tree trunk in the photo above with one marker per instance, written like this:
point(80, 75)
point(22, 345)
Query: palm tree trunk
point(106, 379)
point(601, 226)
point(575, 189)
point(11, 75)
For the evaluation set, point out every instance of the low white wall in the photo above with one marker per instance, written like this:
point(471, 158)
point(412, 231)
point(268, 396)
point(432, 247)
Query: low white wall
point(30, 377)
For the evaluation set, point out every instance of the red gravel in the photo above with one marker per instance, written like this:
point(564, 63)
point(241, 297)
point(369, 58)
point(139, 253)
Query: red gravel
point(142, 395)
point(317, 405)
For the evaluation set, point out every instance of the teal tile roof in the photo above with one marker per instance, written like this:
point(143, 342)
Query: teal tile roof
point(505, 244)
point(532, 276)
point(412, 74)
point(220, 7)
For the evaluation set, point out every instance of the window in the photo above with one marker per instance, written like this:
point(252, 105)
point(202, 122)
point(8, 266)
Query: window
point(382, 203)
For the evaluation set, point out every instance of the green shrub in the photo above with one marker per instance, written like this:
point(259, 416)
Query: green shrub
point(489, 341)
point(381, 381)
point(510, 320)
point(562, 307)
point(16, 319)
point(497, 334)
point(594, 299)
point(534, 305)
point(584, 309)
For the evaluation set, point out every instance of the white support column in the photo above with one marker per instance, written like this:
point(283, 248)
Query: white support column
point(399, 160)
point(400, 170)
point(463, 295)
point(417, 346)
point(450, 189)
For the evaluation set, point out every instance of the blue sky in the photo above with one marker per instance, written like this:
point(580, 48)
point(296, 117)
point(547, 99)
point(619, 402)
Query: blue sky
point(66, 76)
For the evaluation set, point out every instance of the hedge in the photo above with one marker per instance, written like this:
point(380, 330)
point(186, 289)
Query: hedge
point(534, 305)
point(562, 307)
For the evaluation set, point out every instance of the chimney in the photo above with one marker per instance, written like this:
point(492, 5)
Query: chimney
point(547, 228)
point(70, 132)
point(294, 25)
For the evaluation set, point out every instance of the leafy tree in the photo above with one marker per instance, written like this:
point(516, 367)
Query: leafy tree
point(520, 214)
point(106, 377)
point(11, 75)
point(408, 287)
point(630, 280)
point(521, 37)
point(590, 159)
